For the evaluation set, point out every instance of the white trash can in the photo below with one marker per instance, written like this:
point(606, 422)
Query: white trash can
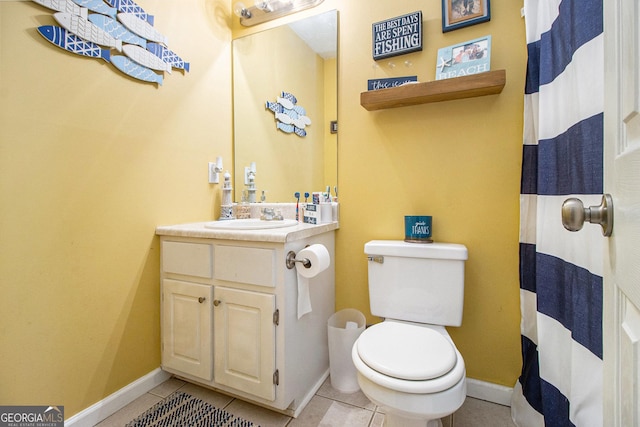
point(345, 327)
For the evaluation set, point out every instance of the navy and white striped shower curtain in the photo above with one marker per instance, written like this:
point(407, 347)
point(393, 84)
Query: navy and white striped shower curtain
point(561, 272)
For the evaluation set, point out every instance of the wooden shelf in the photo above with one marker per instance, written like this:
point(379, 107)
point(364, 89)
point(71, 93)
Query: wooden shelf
point(489, 83)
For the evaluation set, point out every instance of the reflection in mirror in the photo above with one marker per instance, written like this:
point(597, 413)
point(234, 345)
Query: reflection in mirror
point(299, 58)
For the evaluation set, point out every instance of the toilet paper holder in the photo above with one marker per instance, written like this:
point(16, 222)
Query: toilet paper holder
point(291, 261)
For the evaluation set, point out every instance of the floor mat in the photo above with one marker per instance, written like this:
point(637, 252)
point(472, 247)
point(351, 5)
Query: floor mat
point(183, 410)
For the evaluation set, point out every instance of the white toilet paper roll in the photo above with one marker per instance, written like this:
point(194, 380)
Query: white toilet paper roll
point(320, 260)
point(319, 257)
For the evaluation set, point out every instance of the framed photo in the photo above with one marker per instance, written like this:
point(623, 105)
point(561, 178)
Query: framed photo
point(462, 13)
point(463, 59)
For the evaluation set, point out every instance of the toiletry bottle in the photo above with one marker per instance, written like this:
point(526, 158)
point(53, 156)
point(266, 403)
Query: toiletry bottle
point(243, 209)
point(226, 209)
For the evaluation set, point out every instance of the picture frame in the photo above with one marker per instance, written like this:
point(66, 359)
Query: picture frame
point(462, 13)
point(463, 59)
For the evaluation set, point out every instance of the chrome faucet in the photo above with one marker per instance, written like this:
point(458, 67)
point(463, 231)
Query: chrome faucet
point(267, 214)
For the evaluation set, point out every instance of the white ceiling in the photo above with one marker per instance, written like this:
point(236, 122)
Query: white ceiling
point(320, 32)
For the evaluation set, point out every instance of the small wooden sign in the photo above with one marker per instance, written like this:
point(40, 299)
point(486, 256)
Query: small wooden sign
point(397, 36)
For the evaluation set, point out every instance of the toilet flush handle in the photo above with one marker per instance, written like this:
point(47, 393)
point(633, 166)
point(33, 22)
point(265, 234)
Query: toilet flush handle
point(376, 258)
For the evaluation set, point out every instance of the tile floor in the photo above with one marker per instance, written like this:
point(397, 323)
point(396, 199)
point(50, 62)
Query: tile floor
point(328, 408)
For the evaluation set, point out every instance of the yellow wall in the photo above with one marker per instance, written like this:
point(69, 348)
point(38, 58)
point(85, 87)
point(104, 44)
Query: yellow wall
point(91, 162)
point(458, 161)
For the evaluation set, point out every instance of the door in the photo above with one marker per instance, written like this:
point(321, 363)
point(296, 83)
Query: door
point(245, 341)
point(186, 328)
point(622, 180)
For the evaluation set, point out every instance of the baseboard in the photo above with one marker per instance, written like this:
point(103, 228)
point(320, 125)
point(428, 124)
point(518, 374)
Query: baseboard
point(111, 404)
point(116, 401)
point(306, 399)
point(490, 392)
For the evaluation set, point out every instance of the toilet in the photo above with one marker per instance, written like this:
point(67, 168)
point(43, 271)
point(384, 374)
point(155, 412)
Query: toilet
point(407, 364)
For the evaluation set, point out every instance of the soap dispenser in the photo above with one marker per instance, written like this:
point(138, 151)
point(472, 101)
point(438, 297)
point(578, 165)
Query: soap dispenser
point(226, 210)
point(243, 210)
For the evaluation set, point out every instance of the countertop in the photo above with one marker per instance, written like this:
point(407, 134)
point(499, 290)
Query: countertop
point(275, 235)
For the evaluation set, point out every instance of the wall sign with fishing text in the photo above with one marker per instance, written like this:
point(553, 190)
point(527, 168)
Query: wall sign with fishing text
point(397, 36)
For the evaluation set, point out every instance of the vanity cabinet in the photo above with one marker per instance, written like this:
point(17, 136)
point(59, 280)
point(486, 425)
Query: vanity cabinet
point(229, 314)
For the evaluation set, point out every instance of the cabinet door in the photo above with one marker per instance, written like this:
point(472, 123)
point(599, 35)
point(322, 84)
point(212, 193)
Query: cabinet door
point(245, 341)
point(186, 328)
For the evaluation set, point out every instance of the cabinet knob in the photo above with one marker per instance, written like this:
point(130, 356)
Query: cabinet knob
point(201, 299)
point(216, 302)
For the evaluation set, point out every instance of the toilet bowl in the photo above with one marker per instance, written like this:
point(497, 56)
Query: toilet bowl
point(412, 371)
point(407, 364)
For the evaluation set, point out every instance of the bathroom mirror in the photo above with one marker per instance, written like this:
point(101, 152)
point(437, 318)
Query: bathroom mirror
point(299, 58)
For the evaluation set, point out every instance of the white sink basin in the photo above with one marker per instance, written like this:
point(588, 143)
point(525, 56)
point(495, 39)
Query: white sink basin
point(250, 224)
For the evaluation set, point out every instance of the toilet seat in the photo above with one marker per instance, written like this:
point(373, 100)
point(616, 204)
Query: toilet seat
point(406, 352)
point(408, 358)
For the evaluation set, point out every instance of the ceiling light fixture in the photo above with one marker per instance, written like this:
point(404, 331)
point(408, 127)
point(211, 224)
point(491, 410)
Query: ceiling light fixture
point(266, 10)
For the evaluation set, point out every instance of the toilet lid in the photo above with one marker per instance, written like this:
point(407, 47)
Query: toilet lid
point(406, 351)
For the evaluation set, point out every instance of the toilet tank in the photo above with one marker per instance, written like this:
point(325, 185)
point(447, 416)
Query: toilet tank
point(418, 282)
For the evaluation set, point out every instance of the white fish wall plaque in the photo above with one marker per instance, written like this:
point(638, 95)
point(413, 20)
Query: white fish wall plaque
point(86, 30)
point(135, 70)
point(167, 56)
point(72, 43)
point(116, 29)
point(64, 6)
point(97, 6)
point(285, 103)
point(129, 6)
point(141, 28)
point(146, 58)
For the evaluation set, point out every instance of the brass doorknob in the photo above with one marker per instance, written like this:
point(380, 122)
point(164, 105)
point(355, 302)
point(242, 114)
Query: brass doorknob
point(574, 214)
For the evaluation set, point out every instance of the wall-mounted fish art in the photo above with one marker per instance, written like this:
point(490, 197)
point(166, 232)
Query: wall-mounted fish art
point(129, 6)
point(116, 29)
point(146, 58)
point(141, 28)
point(63, 6)
point(167, 55)
point(135, 70)
point(290, 118)
point(97, 6)
point(122, 25)
point(72, 43)
point(86, 30)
